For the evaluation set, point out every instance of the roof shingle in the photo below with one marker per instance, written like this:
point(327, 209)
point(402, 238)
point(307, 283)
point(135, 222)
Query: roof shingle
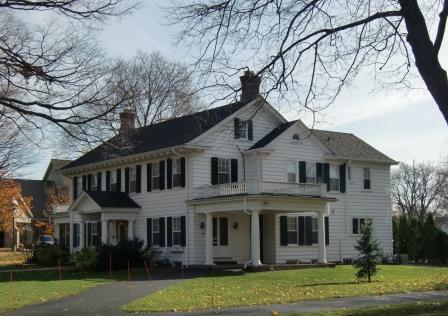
point(112, 199)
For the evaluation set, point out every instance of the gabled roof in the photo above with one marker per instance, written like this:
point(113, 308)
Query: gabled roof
point(112, 199)
point(340, 145)
point(56, 164)
point(37, 189)
point(161, 135)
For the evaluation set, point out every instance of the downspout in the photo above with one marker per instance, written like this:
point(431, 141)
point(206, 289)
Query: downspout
point(244, 163)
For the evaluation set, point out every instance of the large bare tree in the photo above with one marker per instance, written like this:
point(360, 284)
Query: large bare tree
point(313, 48)
point(157, 89)
point(53, 70)
point(419, 189)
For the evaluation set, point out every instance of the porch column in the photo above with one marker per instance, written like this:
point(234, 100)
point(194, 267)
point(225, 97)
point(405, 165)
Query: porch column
point(130, 229)
point(82, 239)
point(104, 231)
point(321, 237)
point(71, 236)
point(57, 234)
point(208, 239)
point(255, 238)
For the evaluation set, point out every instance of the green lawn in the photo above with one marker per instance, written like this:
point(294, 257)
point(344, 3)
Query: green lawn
point(433, 308)
point(37, 287)
point(288, 286)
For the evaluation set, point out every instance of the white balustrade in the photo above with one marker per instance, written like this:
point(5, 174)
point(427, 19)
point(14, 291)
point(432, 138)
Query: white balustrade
point(263, 187)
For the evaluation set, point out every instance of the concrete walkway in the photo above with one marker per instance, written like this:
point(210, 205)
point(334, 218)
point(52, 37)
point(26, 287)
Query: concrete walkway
point(107, 299)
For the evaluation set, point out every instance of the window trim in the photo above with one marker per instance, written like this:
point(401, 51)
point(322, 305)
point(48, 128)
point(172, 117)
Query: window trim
point(364, 179)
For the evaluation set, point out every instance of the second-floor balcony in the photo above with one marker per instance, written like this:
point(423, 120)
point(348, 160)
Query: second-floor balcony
point(260, 187)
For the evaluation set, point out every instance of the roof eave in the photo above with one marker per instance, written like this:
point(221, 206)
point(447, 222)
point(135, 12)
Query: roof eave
point(136, 157)
point(350, 159)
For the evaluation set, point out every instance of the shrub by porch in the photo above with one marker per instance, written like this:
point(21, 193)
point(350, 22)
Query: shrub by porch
point(288, 286)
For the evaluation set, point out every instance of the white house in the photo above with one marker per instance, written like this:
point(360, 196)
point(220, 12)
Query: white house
point(234, 184)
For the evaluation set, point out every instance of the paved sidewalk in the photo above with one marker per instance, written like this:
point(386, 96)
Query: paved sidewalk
point(107, 300)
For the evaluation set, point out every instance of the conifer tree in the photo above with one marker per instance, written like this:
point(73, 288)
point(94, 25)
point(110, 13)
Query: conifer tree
point(370, 251)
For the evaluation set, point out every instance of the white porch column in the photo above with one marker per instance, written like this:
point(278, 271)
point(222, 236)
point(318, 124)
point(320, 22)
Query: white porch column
point(208, 239)
point(82, 239)
point(255, 238)
point(71, 236)
point(130, 229)
point(104, 231)
point(57, 234)
point(321, 237)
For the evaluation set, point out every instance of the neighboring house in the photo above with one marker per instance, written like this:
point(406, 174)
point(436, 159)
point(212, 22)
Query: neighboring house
point(22, 232)
point(237, 183)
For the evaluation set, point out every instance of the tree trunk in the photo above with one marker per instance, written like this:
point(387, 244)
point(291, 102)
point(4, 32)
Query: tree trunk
point(426, 56)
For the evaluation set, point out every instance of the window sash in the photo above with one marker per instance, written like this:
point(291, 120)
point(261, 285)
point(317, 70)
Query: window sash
point(132, 179)
point(334, 178)
point(113, 180)
point(94, 184)
point(366, 178)
point(155, 231)
point(223, 170)
point(243, 129)
point(155, 176)
point(292, 230)
point(292, 171)
point(176, 176)
point(310, 172)
point(314, 231)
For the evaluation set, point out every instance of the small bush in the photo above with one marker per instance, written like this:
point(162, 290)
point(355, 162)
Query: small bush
point(86, 259)
point(128, 250)
point(48, 255)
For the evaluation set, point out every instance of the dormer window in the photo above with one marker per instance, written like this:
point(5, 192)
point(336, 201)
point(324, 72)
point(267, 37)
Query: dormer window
point(295, 137)
point(243, 129)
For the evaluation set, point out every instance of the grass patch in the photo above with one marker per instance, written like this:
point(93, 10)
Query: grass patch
point(432, 308)
point(288, 286)
point(37, 287)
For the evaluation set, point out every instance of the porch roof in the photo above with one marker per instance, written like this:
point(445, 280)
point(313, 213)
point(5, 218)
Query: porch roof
point(112, 199)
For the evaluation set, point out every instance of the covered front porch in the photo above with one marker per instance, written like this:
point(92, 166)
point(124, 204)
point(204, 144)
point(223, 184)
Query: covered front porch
point(250, 229)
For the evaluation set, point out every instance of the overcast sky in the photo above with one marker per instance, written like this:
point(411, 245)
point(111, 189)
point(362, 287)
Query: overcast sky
point(405, 125)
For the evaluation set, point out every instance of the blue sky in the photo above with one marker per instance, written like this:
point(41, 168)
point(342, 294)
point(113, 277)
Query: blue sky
point(405, 125)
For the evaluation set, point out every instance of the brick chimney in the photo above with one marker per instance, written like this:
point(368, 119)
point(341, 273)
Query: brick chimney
point(127, 120)
point(250, 86)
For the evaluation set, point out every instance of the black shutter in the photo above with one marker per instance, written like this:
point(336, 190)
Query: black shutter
point(89, 233)
point(148, 232)
point(183, 230)
point(308, 230)
point(126, 179)
point(319, 172)
point(118, 180)
point(342, 178)
point(236, 127)
point(89, 182)
point(98, 229)
point(327, 231)
point(355, 226)
point(302, 172)
point(250, 130)
point(169, 173)
point(107, 181)
point(234, 170)
point(162, 231)
point(182, 172)
point(326, 170)
point(223, 231)
point(169, 231)
point(84, 182)
point(75, 188)
point(149, 177)
point(98, 180)
point(301, 231)
point(138, 175)
point(214, 171)
point(162, 174)
point(283, 231)
point(75, 233)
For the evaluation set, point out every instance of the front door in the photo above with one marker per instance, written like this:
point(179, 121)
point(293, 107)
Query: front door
point(221, 252)
point(122, 230)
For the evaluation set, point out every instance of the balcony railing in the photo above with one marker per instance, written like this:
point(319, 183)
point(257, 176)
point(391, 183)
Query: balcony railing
point(261, 187)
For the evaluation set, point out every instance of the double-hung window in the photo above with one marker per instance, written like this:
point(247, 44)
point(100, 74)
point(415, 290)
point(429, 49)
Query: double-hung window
point(314, 231)
point(79, 185)
point(76, 228)
point(113, 181)
point(156, 176)
point(176, 173)
point(310, 172)
point(177, 232)
point(292, 171)
point(155, 231)
point(223, 170)
point(94, 182)
point(334, 178)
point(358, 223)
point(132, 179)
point(292, 230)
point(366, 178)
